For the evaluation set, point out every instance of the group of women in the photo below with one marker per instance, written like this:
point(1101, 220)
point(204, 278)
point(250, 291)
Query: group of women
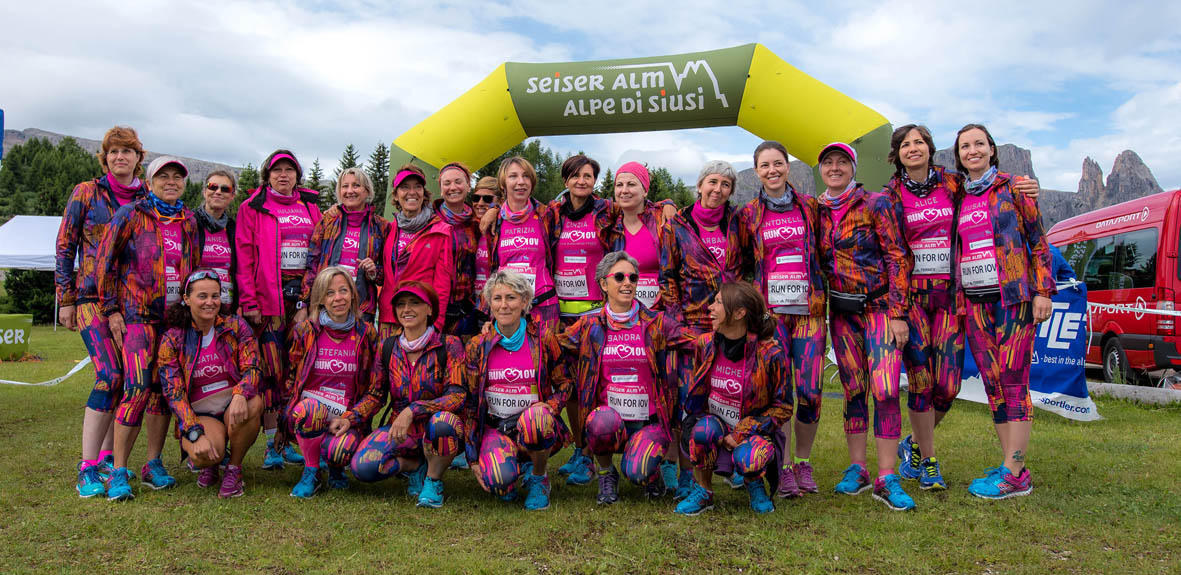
point(455, 335)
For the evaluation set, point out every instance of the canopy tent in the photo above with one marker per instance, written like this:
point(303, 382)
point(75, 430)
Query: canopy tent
point(29, 242)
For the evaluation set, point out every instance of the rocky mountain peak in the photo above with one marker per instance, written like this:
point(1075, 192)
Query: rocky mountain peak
point(1129, 179)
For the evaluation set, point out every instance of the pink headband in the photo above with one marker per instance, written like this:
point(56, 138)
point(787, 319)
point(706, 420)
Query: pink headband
point(638, 170)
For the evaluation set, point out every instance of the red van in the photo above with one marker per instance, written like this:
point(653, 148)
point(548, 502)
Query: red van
point(1127, 256)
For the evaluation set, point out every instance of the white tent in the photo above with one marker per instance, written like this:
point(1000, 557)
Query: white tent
point(29, 242)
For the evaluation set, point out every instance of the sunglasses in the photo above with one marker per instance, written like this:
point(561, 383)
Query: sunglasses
point(483, 198)
point(223, 188)
point(202, 275)
point(620, 276)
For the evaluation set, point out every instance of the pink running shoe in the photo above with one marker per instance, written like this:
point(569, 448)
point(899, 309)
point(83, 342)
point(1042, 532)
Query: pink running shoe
point(207, 477)
point(803, 472)
point(787, 483)
point(231, 484)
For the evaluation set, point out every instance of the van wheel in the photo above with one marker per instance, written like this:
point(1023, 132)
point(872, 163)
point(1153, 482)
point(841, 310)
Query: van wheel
point(1115, 362)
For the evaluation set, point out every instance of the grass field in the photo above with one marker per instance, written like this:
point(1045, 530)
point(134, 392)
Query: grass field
point(1107, 500)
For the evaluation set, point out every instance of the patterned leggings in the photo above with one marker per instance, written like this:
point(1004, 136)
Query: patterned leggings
point(804, 338)
point(866, 362)
point(750, 459)
point(1001, 339)
point(643, 444)
point(377, 457)
point(142, 391)
point(498, 453)
point(934, 354)
point(309, 420)
point(108, 363)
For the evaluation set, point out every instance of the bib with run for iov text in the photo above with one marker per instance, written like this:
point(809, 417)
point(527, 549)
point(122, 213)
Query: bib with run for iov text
point(978, 259)
point(786, 273)
point(928, 231)
point(626, 382)
point(512, 381)
point(172, 235)
point(334, 371)
point(295, 230)
point(725, 389)
point(578, 252)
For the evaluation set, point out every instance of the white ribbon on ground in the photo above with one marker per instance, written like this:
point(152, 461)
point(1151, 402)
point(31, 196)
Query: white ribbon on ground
point(81, 364)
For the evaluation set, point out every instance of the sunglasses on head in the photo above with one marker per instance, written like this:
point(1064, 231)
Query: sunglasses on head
point(222, 188)
point(620, 276)
point(483, 198)
point(201, 275)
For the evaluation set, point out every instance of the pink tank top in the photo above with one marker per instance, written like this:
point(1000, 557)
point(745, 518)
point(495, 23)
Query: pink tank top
point(482, 265)
point(334, 372)
point(928, 232)
point(172, 235)
point(725, 389)
point(715, 242)
point(626, 383)
point(578, 252)
point(512, 381)
point(216, 256)
point(210, 377)
point(978, 259)
point(522, 249)
point(350, 250)
point(295, 231)
point(785, 274)
point(642, 246)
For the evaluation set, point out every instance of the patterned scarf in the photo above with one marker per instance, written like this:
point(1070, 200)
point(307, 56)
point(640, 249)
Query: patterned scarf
point(455, 218)
point(340, 326)
point(621, 321)
point(518, 338)
point(920, 189)
point(165, 211)
point(977, 187)
point(418, 344)
point(778, 205)
point(413, 225)
point(516, 217)
point(835, 202)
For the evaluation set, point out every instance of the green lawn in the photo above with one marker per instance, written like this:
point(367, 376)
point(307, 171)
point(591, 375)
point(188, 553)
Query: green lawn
point(1108, 499)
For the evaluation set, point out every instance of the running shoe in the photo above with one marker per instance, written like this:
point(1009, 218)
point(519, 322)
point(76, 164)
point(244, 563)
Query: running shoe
point(787, 483)
point(803, 472)
point(460, 462)
point(432, 493)
point(854, 481)
point(189, 465)
point(990, 474)
point(668, 471)
point(106, 467)
point(414, 480)
point(232, 484)
point(536, 492)
point(291, 455)
point(608, 487)
point(735, 481)
point(888, 490)
point(1003, 485)
point(309, 483)
point(760, 502)
point(583, 472)
point(89, 482)
point(684, 484)
point(699, 499)
point(572, 463)
point(154, 475)
point(118, 489)
point(656, 487)
point(909, 458)
point(271, 459)
point(932, 477)
point(337, 479)
point(207, 477)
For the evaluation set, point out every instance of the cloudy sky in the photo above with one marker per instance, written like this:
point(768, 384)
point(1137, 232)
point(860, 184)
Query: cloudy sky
point(231, 81)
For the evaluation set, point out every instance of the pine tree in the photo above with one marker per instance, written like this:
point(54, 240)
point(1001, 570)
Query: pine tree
point(325, 196)
point(347, 160)
point(378, 168)
point(37, 177)
point(607, 186)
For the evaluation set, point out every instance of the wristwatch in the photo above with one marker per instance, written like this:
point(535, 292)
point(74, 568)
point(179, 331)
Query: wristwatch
point(300, 305)
point(194, 433)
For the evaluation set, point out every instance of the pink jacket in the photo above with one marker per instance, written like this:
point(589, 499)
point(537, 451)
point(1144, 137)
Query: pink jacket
point(259, 282)
point(428, 258)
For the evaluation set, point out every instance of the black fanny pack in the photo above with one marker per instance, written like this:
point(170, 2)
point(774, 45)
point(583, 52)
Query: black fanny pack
point(983, 295)
point(853, 303)
point(292, 289)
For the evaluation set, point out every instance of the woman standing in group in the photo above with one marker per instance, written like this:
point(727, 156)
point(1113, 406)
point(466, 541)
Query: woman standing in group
point(274, 231)
point(147, 249)
point(351, 236)
point(775, 239)
point(1003, 284)
point(621, 376)
point(517, 385)
point(420, 371)
point(487, 196)
point(864, 257)
point(216, 233)
point(418, 247)
point(90, 208)
point(455, 182)
point(637, 229)
point(738, 400)
point(209, 369)
point(331, 355)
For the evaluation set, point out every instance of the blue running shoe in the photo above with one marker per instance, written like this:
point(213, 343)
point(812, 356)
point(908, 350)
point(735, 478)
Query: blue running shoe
point(1003, 485)
point(990, 474)
point(536, 492)
point(854, 481)
point(89, 482)
point(290, 455)
point(118, 489)
point(888, 490)
point(414, 480)
point(684, 484)
point(337, 479)
point(932, 477)
point(908, 458)
point(668, 470)
point(432, 493)
point(735, 481)
point(309, 483)
point(106, 467)
point(583, 472)
point(460, 462)
point(271, 458)
point(760, 502)
point(699, 499)
point(154, 475)
point(571, 464)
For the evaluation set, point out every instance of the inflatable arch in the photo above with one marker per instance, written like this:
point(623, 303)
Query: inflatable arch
point(748, 86)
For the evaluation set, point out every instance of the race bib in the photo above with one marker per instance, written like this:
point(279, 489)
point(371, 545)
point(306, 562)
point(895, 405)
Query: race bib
point(727, 410)
point(227, 285)
point(647, 291)
point(628, 398)
point(330, 397)
point(507, 400)
point(788, 287)
point(351, 269)
point(572, 284)
point(214, 387)
point(932, 257)
point(978, 270)
point(171, 285)
point(526, 270)
point(293, 255)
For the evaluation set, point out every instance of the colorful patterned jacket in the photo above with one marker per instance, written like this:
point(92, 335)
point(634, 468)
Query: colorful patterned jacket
point(91, 206)
point(867, 252)
point(747, 241)
point(583, 343)
point(690, 276)
point(426, 387)
point(541, 212)
point(179, 349)
point(1024, 263)
point(259, 281)
point(302, 354)
point(767, 397)
point(328, 241)
point(465, 235)
point(131, 262)
point(553, 380)
point(428, 258)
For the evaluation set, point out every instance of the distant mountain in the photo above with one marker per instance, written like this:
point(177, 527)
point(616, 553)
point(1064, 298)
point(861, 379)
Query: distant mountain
point(198, 169)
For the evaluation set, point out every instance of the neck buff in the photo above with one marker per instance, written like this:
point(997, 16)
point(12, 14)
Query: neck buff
point(123, 193)
point(512, 343)
point(455, 218)
point(288, 200)
point(516, 217)
point(413, 225)
point(342, 326)
point(568, 210)
point(164, 210)
point(732, 349)
point(839, 200)
point(707, 217)
point(416, 344)
point(625, 320)
point(977, 187)
point(920, 189)
point(778, 205)
point(209, 222)
point(356, 218)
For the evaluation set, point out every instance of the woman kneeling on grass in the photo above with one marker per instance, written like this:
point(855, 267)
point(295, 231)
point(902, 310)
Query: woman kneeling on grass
point(517, 385)
point(209, 370)
point(331, 354)
point(739, 397)
point(420, 371)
